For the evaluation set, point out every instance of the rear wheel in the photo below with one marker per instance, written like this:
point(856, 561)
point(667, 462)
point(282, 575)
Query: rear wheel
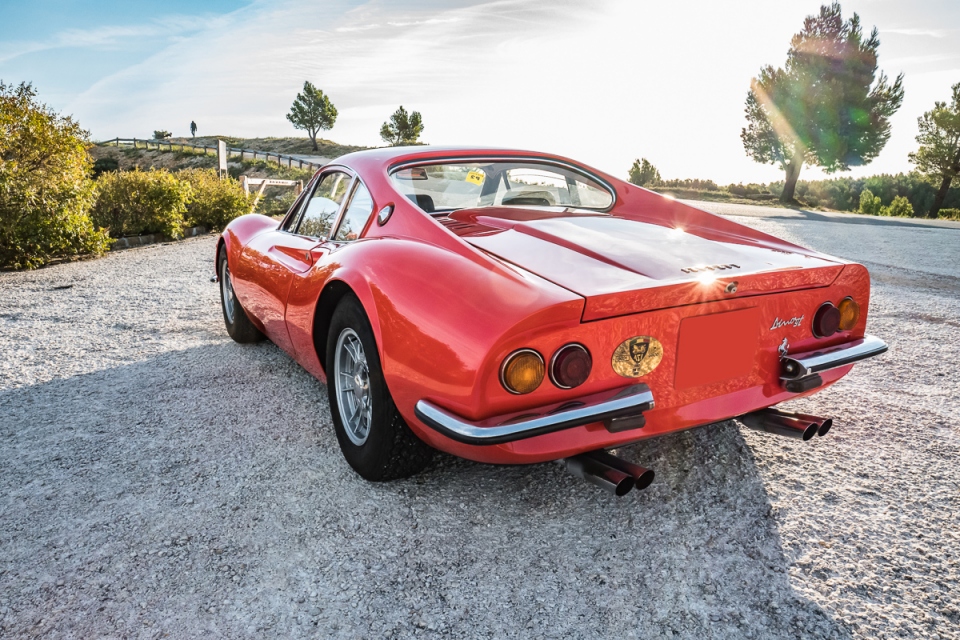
point(373, 437)
point(234, 317)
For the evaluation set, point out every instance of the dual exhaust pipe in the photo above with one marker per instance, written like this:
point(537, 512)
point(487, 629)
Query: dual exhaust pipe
point(620, 477)
point(608, 472)
point(802, 426)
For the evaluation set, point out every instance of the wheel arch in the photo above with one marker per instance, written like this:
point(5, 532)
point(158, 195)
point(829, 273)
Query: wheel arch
point(331, 295)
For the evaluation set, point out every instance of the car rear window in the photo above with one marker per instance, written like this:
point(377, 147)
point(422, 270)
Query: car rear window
point(443, 187)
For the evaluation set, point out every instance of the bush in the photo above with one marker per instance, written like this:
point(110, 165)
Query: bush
point(45, 186)
point(747, 190)
point(160, 134)
point(135, 202)
point(869, 203)
point(215, 202)
point(949, 214)
point(103, 165)
point(698, 185)
point(899, 208)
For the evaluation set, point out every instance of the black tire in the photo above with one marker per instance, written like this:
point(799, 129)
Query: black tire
point(234, 317)
point(390, 450)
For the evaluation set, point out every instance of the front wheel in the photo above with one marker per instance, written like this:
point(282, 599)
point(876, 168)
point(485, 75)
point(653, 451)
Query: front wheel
point(239, 326)
point(373, 437)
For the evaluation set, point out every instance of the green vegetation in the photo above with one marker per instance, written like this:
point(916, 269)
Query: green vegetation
point(135, 202)
point(160, 134)
point(643, 173)
point(45, 186)
point(938, 157)
point(826, 107)
point(869, 203)
point(214, 201)
point(402, 128)
point(900, 207)
point(874, 195)
point(312, 111)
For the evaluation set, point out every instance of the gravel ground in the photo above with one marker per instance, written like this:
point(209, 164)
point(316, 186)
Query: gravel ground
point(158, 480)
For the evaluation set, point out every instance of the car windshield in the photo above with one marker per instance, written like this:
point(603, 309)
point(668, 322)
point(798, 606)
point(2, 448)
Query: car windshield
point(442, 187)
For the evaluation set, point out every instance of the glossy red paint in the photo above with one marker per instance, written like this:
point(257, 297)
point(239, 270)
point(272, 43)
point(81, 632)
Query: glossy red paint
point(450, 297)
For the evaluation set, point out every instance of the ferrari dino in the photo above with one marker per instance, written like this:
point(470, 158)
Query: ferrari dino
point(516, 307)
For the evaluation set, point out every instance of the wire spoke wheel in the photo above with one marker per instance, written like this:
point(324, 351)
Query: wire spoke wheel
point(226, 286)
point(352, 376)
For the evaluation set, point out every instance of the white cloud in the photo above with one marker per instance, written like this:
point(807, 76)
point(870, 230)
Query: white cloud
point(932, 33)
point(110, 36)
point(602, 82)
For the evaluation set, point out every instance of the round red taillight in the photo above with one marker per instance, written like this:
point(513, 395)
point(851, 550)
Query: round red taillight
point(826, 321)
point(570, 366)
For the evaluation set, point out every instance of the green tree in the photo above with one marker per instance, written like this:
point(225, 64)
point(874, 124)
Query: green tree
point(45, 186)
point(312, 111)
point(900, 207)
point(827, 106)
point(643, 173)
point(402, 128)
point(161, 134)
point(869, 203)
point(938, 157)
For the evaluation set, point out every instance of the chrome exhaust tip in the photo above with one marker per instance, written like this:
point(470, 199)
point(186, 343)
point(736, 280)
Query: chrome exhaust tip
point(823, 424)
point(782, 423)
point(642, 477)
point(608, 478)
point(825, 427)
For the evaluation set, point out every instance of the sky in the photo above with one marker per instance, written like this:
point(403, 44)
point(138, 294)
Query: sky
point(602, 82)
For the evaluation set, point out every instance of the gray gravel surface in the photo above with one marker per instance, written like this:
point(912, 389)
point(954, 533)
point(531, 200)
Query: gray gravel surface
point(158, 480)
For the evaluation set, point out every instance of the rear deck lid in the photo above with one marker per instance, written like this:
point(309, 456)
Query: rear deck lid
point(622, 265)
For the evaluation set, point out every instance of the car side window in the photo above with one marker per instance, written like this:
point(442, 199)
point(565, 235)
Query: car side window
point(356, 216)
point(321, 210)
point(296, 210)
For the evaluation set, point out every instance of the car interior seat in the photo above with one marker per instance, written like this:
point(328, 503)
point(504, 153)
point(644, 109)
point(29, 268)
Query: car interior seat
point(423, 201)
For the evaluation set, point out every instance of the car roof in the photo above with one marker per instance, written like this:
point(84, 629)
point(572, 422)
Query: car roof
point(380, 160)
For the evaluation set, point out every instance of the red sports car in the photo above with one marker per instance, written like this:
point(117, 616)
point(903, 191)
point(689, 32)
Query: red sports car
point(517, 307)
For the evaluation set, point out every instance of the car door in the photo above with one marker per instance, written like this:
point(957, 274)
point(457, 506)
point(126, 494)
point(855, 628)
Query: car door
point(270, 260)
point(301, 303)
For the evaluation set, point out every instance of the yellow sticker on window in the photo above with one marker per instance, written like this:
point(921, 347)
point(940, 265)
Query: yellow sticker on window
point(476, 177)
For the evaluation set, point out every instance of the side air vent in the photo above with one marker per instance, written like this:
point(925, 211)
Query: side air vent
point(465, 228)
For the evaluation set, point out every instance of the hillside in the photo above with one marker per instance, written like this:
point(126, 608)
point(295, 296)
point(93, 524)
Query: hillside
point(298, 146)
point(107, 157)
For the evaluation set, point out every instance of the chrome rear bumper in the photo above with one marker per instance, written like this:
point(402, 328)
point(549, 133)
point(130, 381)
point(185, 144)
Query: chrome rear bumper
point(799, 371)
point(619, 407)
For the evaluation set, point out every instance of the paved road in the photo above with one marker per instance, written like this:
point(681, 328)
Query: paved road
point(158, 480)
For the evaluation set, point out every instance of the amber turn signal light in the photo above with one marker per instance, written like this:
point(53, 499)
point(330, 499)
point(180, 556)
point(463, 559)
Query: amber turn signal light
point(826, 321)
point(570, 366)
point(522, 371)
point(849, 314)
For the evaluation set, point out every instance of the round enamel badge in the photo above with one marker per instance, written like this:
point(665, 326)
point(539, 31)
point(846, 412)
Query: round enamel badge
point(637, 356)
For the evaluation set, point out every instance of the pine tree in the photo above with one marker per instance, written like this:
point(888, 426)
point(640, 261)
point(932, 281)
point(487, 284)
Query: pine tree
point(402, 128)
point(827, 106)
point(938, 157)
point(312, 111)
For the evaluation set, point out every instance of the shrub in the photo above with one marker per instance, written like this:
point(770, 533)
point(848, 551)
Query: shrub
point(900, 208)
point(160, 134)
point(949, 214)
point(215, 202)
point(135, 202)
point(869, 203)
point(45, 186)
point(103, 165)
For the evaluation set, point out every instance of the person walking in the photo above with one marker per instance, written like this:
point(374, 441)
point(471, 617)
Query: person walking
point(193, 128)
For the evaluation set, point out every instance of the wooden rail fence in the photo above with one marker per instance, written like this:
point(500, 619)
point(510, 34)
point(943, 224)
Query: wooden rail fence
point(162, 145)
